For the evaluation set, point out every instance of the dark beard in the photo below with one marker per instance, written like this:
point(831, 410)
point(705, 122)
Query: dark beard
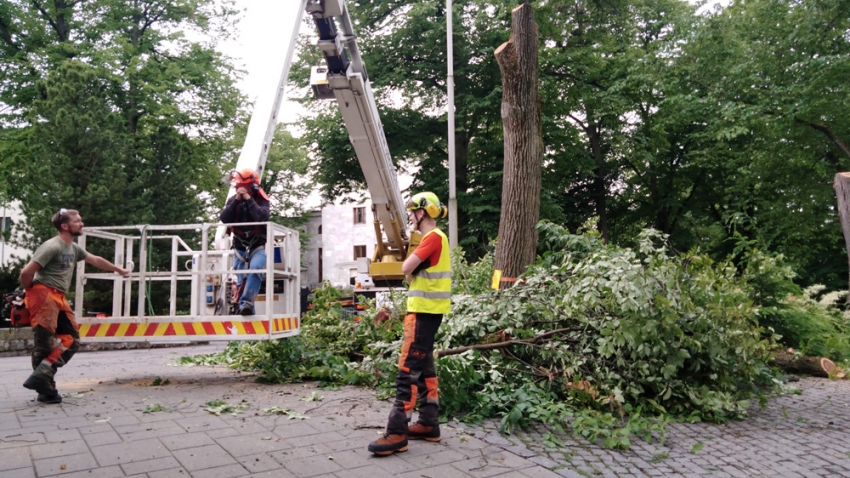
point(77, 234)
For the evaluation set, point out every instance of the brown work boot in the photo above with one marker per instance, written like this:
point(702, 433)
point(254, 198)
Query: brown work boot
point(418, 431)
point(388, 444)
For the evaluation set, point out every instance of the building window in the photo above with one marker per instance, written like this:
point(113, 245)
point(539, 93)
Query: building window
point(321, 265)
point(6, 223)
point(320, 230)
point(359, 251)
point(360, 215)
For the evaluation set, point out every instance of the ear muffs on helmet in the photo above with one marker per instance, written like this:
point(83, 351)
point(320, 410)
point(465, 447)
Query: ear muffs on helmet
point(246, 178)
point(433, 210)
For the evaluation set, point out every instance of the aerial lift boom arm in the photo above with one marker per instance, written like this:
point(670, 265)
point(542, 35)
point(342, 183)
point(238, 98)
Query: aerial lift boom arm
point(346, 80)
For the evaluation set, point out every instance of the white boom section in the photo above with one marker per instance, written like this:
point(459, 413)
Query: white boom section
point(263, 122)
point(349, 84)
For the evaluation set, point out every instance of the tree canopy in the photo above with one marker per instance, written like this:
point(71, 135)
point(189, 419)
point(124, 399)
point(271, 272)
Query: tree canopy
point(110, 108)
point(719, 128)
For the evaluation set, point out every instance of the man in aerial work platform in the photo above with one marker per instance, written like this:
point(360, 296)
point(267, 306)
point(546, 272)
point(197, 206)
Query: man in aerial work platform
point(249, 204)
point(46, 279)
point(428, 271)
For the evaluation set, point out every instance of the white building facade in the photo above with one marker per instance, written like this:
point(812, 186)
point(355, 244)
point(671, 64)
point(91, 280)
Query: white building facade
point(339, 236)
point(10, 217)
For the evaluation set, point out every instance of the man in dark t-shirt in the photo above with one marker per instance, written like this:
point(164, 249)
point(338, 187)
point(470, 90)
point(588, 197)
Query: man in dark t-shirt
point(46, 279)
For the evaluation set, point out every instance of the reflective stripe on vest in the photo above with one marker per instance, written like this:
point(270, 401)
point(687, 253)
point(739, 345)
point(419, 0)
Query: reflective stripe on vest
point(431, 290)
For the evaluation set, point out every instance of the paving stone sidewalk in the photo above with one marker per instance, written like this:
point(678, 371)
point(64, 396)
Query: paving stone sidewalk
point(121, 418)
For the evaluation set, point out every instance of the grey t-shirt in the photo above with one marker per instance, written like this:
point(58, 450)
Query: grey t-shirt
point(57, 261)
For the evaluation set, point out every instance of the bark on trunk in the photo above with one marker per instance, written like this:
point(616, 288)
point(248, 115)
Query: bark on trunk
point(518, 62)
point(599, 187)
point(817, 366)
point(842, 192)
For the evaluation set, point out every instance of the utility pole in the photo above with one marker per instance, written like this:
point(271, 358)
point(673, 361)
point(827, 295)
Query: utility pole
point(3, 239)
point(450, 91)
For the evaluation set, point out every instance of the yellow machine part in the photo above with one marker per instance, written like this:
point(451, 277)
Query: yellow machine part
point(389, 268)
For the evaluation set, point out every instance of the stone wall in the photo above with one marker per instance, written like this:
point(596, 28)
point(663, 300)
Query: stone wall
point(18, 341)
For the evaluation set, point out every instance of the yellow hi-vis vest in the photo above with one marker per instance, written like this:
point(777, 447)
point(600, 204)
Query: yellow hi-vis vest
point(430, 291)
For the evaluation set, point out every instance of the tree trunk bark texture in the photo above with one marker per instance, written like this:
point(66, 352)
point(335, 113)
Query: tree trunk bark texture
point(816, 366)
point(842, 193)
point(521, 123)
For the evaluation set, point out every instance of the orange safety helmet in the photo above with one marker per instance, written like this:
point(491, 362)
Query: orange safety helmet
point(244, 178)
point(248, 179)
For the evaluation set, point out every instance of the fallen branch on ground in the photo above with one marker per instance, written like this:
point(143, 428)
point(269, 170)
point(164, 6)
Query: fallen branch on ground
point(507, 343)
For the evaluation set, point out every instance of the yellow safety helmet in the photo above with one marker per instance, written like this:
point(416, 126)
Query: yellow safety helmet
point(429, 202)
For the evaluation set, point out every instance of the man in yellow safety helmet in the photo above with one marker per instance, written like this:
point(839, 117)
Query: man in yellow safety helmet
point(428, 271)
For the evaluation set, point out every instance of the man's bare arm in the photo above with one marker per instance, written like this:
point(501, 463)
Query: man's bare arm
point(28, 274)
point(102, 263)
point(409, 265)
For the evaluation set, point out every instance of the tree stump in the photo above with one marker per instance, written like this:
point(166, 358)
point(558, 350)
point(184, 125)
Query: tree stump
point(522, 126)
point(842, 193)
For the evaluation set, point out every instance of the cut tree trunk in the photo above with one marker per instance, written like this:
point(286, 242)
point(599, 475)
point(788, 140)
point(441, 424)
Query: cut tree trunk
point(521, 123)
point(842, 192)
point(817, 366)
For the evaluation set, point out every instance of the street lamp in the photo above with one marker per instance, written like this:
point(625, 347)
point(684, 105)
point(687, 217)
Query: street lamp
point(450, 91)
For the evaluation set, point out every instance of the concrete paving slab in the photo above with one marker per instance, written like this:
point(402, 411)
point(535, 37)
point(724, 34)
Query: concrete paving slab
point(172, 473)
point(65, 464)
point(20, 473)
point(258, 463)
point(130, 451)
point(114, 422)
point(147, 466)
point(203, 457)
point(12, 459)
point(313, 466)
point(369, 471)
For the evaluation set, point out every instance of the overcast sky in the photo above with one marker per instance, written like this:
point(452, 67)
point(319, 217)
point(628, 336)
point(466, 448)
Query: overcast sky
point(260, 47)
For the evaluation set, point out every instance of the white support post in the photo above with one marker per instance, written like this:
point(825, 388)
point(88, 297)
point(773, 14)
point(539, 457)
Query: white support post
point(128, 285)
point(269, 274)
point(202, 269)
point(118, 283)
point(172, 306)
point(143, 266)
point(450, 92)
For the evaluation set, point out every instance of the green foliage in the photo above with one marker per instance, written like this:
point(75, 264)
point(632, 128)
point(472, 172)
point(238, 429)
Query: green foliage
point(156, 408)
point(333, 347)
point(290, 414)
point(706, 126)
point(286, 167)
point(111, 109)
point(618, 342)
point(645, 335)
point(217, 407)
point(475, 278)
point(814, 328)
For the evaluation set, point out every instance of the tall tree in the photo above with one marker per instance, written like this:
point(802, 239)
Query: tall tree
point(771, 72)
point(518, 60)
point(153, 124)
